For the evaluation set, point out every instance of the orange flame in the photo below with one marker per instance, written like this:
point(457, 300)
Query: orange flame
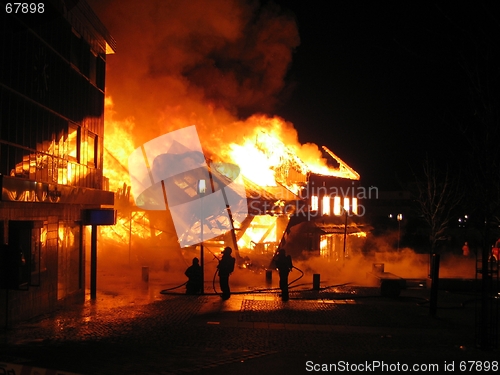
point(118, 145)
point(271, 144)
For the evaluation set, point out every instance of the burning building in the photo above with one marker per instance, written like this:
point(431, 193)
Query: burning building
point(179, 65)
point(51, 151)
point(308, 210)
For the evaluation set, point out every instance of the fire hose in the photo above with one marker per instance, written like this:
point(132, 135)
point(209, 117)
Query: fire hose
point(175, 287)
point(166, 291)
point(298, 278)
point(290, 284)
point(258, 290)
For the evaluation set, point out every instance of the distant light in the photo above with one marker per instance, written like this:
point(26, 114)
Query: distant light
point(202, 187)
point(314, 203)
point(400, 217)
point(355, 206)
point(326, 205)
point(336, 205)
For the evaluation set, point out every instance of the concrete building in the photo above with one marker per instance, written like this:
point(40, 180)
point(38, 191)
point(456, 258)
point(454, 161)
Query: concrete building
point(51, 152)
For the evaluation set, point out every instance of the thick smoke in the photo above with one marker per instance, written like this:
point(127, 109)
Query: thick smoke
point(207, 63)
point(179, 63)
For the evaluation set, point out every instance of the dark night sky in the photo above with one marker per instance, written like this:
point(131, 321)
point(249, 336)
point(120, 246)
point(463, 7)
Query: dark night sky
point(375, 81)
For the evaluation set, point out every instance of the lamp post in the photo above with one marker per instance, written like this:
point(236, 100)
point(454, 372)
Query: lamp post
point(399, 217)
point(201, 192)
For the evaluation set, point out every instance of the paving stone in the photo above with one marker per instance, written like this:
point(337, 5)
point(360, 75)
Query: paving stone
point(254, 331)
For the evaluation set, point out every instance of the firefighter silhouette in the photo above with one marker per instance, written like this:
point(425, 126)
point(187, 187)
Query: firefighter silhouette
point(194, 275)
point(284, 265)
point(225, 268)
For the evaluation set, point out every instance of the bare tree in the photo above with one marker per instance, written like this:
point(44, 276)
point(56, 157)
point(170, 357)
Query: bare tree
point(478, 52)
point(437, 197)
point(477, 55)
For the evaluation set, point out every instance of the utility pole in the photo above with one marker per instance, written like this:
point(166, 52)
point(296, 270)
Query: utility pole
point(202, 189)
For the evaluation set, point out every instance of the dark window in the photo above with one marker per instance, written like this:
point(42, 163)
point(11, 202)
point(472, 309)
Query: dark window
point(20, 253)
point(92, 69)
point(100, 72)
point(76, 50)
point(85, 58)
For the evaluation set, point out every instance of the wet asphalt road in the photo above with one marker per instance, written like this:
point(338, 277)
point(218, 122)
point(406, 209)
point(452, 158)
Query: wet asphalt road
point(351, 327)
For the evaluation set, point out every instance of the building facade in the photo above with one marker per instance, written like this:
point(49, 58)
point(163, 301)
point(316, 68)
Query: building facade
point(331, 223)
point(51, 152)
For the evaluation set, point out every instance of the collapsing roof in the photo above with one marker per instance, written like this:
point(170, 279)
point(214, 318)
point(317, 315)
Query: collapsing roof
point(209, 199)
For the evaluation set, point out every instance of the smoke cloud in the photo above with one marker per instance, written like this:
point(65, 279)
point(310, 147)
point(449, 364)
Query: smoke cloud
point(207, 63)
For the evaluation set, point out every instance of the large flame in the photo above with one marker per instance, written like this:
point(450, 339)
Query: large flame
point(263, 146)
point(179, 64)
point(271, 145)
point(118, 145)
point(266, 149)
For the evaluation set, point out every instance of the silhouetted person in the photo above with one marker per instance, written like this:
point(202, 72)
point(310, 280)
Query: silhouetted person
point(284, 265)
point(194, 274)
point(465, 250)
point(225, 267)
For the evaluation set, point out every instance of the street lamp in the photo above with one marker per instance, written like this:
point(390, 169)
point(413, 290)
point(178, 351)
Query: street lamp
point(202, 189)
point(399, 217)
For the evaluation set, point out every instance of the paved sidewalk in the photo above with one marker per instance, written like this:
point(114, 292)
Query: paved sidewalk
point(250, 333)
